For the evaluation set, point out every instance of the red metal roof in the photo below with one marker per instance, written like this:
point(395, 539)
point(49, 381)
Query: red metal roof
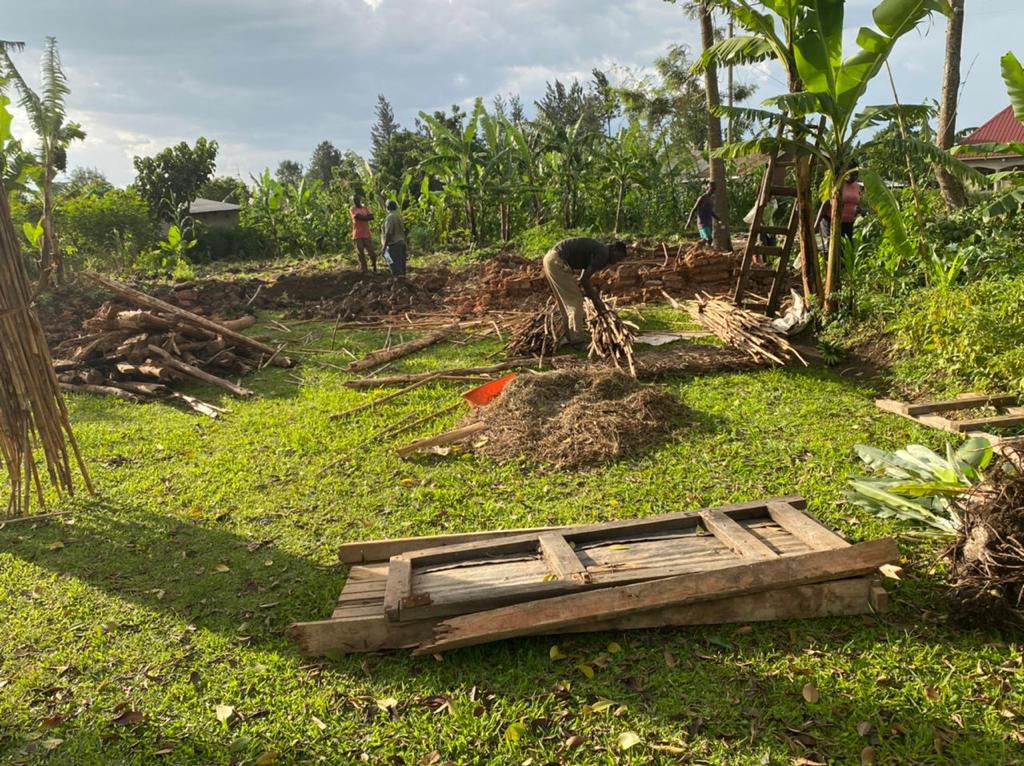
point(1004, 128)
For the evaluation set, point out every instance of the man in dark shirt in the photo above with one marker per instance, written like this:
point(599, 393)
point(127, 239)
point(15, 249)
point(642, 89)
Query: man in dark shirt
point(565, 258)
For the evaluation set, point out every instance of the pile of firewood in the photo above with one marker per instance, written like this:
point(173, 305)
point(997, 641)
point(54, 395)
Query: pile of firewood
point(140, 354)
point(745, 330)
point(539, 335)
point(612, 339)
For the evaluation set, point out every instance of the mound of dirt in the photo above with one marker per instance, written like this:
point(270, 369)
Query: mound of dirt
point(372, 296)
point(576, 418)
point(988, 558)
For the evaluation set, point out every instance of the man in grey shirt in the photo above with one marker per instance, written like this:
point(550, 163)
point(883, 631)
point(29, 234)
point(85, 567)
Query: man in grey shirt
point(393, 238)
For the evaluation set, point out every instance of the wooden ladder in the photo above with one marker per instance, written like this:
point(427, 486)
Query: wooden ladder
point(776, 183)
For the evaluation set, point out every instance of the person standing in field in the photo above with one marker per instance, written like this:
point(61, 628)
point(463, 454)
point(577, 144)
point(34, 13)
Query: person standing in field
point(393, 239)
point(560, 263)
point(849, 210)
point(704, 208)
point(361, 236)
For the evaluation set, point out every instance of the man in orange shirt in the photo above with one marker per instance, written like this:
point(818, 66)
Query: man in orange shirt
point(361, 217)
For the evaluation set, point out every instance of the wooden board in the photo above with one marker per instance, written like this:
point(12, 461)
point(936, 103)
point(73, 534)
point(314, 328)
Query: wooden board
point(930, 414)
point(584, 608)
point(359, 624)
point(464, 578)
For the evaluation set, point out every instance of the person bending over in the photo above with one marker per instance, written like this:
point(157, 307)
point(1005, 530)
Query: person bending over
point(561, 263)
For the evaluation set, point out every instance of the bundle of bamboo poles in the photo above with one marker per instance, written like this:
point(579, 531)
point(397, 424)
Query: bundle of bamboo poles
point(538, 335)
point(612, 339)
point(745, 330)
point(32, 411)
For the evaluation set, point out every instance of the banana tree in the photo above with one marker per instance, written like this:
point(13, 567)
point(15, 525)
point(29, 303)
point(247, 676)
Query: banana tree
point(832, 85)
point(626, 160)
point(458, 161)
point(47, 115)
point(568, 159)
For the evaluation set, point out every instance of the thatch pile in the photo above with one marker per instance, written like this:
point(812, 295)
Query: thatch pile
point(539, 334)
point(576, 418)
point(746, 330)
point(32, 410)
point(987, 559)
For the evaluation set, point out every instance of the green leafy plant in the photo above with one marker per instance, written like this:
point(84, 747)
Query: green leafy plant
point(918, 485)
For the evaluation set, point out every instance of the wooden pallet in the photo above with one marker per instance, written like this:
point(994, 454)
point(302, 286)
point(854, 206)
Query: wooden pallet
point(931, 414)
point(399, 603)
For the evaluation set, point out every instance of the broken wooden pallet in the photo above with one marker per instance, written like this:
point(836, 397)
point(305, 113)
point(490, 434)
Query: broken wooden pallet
point(934, 414)
point(360, 622)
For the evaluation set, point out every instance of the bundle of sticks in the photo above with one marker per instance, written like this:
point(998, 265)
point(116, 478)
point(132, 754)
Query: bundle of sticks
point(611, 338)
point(33, 419)
point(538, 335)
point(745, 330)
point(139, 354)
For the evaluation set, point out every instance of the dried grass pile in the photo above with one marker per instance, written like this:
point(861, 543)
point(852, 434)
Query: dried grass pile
point(576, 418)
point(987, 559)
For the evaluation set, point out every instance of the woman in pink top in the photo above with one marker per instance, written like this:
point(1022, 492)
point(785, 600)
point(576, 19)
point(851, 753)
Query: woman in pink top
point(851, 203)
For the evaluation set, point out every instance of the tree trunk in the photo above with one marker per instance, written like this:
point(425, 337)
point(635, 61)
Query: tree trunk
point(707, 38)
point(618, 206)
point(835, 245)
point(730, 91)
point(952, 189)
point(46, 262)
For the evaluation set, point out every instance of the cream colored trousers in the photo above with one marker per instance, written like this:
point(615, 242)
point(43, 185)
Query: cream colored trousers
point(568, 294)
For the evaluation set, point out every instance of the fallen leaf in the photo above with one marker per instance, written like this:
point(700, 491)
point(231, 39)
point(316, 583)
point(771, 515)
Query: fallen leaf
point(555, 653)
point(744, 630)
point(129, 718)
point(810, 693)
point(225, 713)
point(319, 724)
point(56, 546)
point(803, 761)
point(222, 568)
point(863, 728)
point(601, 705)
point(51, 744)
point(574, 741)
point(515, 732)
point(585, 670)
point(165, 749)
point(628, 739)
point(931, 694)
point(867, 756)
point(53, 720)
point(430, 759)
point(891, 571)
point(266, 759)
point(614, 648)
point(672, 749)
point(669, 659)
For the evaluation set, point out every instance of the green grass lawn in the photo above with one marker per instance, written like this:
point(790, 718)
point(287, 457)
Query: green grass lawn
point(124, 628)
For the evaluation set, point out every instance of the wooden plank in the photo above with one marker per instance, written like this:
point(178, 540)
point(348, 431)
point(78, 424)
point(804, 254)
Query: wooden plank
point(582, 608)
point(399, 585)
point(964, 402)
point(739, 540)
point(562, 559)
point(369, 551)
point(783, 191)
point(861, 595)
point(995, 421)
point(814, 534)
point(592, 532)
point(893, 406)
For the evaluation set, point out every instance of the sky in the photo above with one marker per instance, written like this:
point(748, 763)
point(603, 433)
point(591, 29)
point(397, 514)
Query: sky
point(269, 79)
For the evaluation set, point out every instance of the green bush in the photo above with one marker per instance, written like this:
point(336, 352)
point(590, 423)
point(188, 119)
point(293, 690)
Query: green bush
point(963, 338)
point(106, 232)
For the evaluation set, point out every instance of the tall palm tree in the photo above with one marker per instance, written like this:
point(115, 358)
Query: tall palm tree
point(717, 165)
point(952, 189)
point(46, 114)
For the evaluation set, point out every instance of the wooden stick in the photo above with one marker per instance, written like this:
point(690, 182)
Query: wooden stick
point(195, 372)
point(86, 388)
point(425, 419)
point(448, 437)
point(450, 373)
point(402, 349)
point(382, 399)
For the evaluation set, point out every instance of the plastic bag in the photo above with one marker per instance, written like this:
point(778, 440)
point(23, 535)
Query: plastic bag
point(387, 257)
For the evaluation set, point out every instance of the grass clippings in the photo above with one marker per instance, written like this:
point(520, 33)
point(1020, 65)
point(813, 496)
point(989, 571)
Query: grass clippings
point(577, 418)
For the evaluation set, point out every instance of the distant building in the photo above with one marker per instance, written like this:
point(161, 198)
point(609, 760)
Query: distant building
point(1004, 128)
point(213, 214)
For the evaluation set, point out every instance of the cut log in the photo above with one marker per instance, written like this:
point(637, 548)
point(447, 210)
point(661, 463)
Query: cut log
point(402, 349)
point(242, 323)
point(560, 612)
point(394, 381)
point(85, 388)
point(148, 301)
point(145, 370)
point(198, 374)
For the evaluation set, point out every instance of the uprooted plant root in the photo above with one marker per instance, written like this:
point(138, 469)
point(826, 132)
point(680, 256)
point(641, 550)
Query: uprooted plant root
point(987, 559)
point(576, 418)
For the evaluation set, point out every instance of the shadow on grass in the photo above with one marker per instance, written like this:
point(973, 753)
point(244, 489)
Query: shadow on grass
point(198, 574)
